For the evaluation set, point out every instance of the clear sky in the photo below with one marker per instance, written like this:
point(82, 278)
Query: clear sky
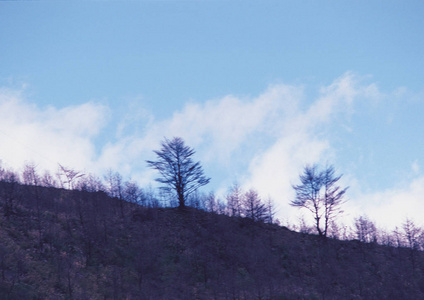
point(258, 88)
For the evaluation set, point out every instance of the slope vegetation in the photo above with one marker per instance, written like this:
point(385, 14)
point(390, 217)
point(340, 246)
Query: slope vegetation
point(62, 244)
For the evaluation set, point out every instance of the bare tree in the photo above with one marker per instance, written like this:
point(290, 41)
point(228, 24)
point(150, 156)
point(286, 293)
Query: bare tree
point(32, 181)
point(115, 188)
point(365, 230)
point(91, 183)
point(48, 180)
point(30, 176)
point(234, 200)
point(133, 193)
point(211, 202)
point(178, 172)
point(270, 210)
point(333, 197)
point(221, 206)
point(253, 207)
point(412, 234)
point(71, 176)
point(114, 183)
point(320, 194)
point(10, 192)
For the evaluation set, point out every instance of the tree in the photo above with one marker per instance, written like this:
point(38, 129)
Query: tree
point(133, 193)
point(320, 194)
point(178, 172)
point(30, 176)
point(10, 192)
point(211, 203)
point(32, 182)
point(270, 210)
point(412, 234)
point(71, 176)
point(253, 207)
point(115, 188)
point(365, 230)
point(234, 201)
point(114, 183)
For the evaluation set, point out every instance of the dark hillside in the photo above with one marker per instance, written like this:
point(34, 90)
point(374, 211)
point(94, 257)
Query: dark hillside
point(62, 244)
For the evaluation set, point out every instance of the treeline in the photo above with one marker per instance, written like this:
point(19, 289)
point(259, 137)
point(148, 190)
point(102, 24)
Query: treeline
point(237, 203)
point(75, 236)
point(407, 235)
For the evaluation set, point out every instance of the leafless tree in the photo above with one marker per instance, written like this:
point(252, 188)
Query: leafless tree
point(398, 238)
point(320, 194)
point(303, 226)
point(10, 192)
point(234, 200)
point(211, 203)
point(270, 210)
point(30, 176)
point(71, 176)
point(133, 193)
point(91, 183)
point(114, 183)
point(33, 182)
point(221, 206)
point(48, 180)
point(115, 188)
point(412, 234)
point(178, 172)
point(150, 197)
point(253, 207)
point(365, 230)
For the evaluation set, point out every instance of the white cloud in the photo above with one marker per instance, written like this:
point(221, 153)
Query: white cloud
point(48, 136)
point(301, 141)
point(263, 141)
point(391, 207)
point(218, 129)
point(224, 124)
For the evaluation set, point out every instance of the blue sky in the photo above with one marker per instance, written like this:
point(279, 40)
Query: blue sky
point(258, 88)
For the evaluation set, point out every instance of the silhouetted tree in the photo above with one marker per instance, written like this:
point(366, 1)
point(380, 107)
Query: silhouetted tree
point(30, 176)
point(253, 207)
point(91, 183)
point(150, 198)
point(178, 172)
point(115, 188)
point(234, 201)
point(133, 193)
point(71, 176)
point(221, 207)
point(320, 194)
point(114, 183)
point(10, 193)
point(211, 203)
point(32, 181)
point(412, 234)
point(48, 180)
point(270, 210)
point(365, 230)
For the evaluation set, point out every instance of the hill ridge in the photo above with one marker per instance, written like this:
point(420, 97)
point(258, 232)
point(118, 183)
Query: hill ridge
point(68, 244)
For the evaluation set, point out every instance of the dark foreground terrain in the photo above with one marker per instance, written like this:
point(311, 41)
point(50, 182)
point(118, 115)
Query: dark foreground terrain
point(62, 244)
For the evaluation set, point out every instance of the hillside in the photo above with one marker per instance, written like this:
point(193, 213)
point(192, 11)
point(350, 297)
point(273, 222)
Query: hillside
point(63, 244)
